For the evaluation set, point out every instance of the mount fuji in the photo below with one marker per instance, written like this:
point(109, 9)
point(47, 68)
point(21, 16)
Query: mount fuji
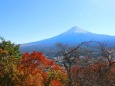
point(73, 36)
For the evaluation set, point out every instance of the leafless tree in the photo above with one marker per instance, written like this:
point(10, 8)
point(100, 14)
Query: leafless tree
point(90, 71)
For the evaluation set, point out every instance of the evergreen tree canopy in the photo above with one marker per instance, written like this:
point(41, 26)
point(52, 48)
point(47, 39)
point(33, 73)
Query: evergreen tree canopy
point(7, 48)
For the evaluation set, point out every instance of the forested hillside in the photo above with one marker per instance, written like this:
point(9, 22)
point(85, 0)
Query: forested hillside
point(79, 67)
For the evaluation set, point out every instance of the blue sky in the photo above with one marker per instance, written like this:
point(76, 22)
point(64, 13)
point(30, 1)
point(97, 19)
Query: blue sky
point(23, 21)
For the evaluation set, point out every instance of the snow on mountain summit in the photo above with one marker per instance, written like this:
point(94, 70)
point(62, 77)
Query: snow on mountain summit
point(76, 29)
point(73, 36)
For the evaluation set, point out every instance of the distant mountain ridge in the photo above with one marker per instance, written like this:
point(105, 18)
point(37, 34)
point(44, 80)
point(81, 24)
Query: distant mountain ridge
point(73, 36)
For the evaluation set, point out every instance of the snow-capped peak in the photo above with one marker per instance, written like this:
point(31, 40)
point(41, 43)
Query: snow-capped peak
point(76, 29)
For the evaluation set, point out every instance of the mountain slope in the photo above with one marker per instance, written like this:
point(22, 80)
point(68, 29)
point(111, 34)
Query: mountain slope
point(73, 36)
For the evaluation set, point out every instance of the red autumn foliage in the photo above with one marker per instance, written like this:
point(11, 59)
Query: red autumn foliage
point(34, 66)
point(55, 83)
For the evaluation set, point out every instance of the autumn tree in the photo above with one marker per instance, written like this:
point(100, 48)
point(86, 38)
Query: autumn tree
point(8, 71)
point(7, 48)
point(80, 60)
point(37, 70)
point(70, 55)
point(30, 69)
point(97, 71)
point(8, 62)
point(95, 74)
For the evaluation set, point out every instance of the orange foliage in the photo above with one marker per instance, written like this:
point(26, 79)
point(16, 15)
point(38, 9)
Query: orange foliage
point(55, 83)
point(34, 62)
point(34, 68)
point(56, 67)
point(3, 53)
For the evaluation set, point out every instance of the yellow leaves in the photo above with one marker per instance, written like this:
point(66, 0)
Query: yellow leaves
point(57, 75)
point(8, 70)
point(3, 53)
point(36, 80)
point(33, 69)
